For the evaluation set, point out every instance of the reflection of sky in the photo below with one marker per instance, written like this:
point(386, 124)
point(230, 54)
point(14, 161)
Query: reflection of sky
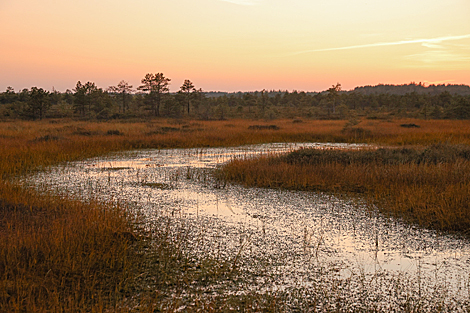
point(299, 231)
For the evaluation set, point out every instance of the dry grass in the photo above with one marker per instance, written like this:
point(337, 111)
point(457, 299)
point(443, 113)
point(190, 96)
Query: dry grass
point(428, 186)
point(58, 255)
point(62, 255)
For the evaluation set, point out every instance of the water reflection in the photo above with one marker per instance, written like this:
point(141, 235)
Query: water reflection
point(287, 240)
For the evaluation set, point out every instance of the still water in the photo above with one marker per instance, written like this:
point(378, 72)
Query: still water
point(309, 245)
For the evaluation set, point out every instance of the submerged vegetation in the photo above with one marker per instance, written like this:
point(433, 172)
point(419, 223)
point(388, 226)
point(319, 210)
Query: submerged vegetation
point(59, 254)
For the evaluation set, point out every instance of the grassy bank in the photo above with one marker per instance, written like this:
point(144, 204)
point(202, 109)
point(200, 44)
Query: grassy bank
point(63, 255)
point(58, 255)
point(428, 185)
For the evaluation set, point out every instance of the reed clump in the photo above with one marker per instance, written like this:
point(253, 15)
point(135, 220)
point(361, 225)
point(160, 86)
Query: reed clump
point(429, 185)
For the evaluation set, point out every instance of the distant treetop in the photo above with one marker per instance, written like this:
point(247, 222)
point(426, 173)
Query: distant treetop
point(462, 90)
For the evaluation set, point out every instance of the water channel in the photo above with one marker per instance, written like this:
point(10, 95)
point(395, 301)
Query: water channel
point(308, 245)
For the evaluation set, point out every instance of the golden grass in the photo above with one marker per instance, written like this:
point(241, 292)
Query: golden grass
point(62, 255)
point(58, 255)
point(26, 146)
point(433, 193)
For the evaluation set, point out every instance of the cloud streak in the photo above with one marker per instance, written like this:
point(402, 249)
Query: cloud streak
point(427, 42)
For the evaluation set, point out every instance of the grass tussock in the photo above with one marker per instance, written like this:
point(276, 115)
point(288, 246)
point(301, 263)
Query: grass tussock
point(429, 186)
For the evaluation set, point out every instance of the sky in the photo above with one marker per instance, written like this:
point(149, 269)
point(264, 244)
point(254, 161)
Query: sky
point(234, 45)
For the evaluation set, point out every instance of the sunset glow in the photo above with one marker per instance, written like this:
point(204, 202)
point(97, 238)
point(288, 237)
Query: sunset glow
point(232, 45)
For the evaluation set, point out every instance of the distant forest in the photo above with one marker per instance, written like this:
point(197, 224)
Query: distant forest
point(153, 99)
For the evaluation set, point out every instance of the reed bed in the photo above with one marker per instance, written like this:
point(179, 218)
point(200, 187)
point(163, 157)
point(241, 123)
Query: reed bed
point(428, 186)
point(61, 255)
point(58, 254)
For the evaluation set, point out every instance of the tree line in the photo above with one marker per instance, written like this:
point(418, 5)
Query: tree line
point(153, 99)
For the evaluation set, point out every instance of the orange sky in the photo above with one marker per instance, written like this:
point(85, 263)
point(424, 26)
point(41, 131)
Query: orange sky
point(232, 45)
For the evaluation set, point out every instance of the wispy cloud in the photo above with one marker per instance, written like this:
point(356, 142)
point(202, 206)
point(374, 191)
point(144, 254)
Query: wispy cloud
point(438, 56)
point(244, 2)
point(429, 42)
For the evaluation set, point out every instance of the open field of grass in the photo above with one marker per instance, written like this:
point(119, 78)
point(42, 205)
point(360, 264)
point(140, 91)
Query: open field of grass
point(62, 255)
